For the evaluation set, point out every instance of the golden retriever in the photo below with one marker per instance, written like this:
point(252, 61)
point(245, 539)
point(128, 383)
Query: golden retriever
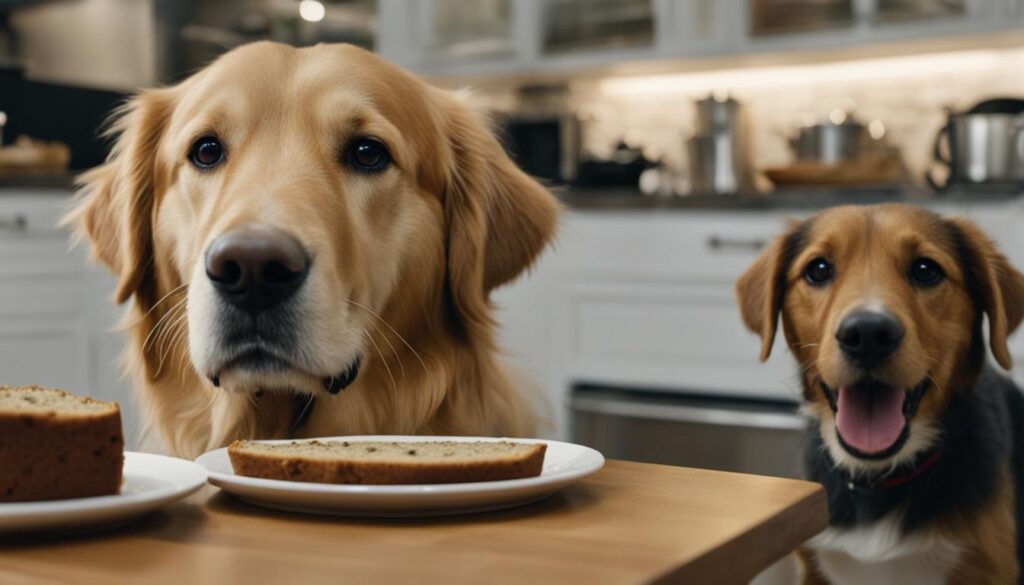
point(919, 444)
point(310, 236)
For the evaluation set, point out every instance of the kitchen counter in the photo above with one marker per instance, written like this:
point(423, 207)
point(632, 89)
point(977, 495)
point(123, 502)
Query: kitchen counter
point(629, 523)
point(628, 199)
point(21, 184)
point(617, 199)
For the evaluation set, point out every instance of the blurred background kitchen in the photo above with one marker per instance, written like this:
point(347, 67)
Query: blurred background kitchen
point(680, 134)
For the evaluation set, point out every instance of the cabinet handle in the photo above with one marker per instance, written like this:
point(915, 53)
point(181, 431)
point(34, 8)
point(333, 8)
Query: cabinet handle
point(752, 244)
point(17, 223)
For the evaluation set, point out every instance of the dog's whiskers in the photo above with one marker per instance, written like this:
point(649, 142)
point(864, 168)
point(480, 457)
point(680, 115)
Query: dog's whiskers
point(165, 297)
point(160, 341)
point(394, 352)
point(935, 383)
point(394, 385)
point(182, 342)
point(393, 330)
point(166, 346)
point(169, 328)
point(159, 323)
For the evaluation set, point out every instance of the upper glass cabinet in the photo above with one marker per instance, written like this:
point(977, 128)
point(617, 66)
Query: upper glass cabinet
point(778, 17)
point(910, 10)
point(573, 25)
point(456, 29)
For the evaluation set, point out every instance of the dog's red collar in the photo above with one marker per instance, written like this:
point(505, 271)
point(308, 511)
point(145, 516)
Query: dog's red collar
point(896, 480)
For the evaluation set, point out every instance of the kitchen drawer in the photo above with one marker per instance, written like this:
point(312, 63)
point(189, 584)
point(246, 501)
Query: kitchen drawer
point(674, 337)
point(702, 247)
point(48, 351)
point(32, 242)
point(42, 295)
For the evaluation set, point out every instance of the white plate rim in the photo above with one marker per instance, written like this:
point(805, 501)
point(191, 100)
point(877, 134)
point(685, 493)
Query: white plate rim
point(96, 506)
point(226, 480)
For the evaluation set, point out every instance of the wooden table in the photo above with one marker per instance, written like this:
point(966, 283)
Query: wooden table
point(629, 523)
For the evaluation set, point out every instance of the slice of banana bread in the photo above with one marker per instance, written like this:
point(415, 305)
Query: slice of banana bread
point(387, 462)
point(54, 445)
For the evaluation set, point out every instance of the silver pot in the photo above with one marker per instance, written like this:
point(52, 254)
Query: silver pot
point(981, 149)
point(717, 152)
point(829, 142)
point(717, 166)
point(718, 115)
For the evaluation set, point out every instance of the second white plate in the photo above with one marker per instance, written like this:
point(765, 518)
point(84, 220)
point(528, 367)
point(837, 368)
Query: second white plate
point(564, 464)
point(150, 483)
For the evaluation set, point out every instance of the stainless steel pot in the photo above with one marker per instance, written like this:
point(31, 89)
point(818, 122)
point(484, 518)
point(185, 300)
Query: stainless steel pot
point(717, 167)
point(717, 152)
point(718, 115)
point(829, 142)
point(981, 149)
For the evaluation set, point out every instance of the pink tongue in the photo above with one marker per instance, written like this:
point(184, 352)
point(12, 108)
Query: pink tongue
point(870, 421)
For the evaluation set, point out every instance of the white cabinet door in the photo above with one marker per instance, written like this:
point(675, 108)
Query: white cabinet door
point(57, 322)
point(47, 350)
point(685, 337)
point(43, 329)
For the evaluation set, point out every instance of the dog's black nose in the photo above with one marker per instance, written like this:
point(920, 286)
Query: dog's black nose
point(256, 266)
point(868, 337)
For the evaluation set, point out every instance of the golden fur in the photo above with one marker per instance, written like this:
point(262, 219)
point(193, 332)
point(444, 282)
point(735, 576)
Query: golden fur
point(405, 259)
point(871, 248)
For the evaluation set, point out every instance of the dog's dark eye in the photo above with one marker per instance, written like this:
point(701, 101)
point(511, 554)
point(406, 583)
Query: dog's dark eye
point(367, 155)
point(818, 272)
point(926, 272)
point(206, 152)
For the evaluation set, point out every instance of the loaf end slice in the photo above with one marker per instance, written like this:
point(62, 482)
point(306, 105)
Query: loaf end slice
point(54, 445)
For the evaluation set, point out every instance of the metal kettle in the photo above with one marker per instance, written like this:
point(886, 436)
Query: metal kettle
point(982, 146)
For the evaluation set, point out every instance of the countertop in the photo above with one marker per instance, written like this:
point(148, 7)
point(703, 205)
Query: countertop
point(629, 523)
point(42, 182)
point(811, 198)
point(617, 199)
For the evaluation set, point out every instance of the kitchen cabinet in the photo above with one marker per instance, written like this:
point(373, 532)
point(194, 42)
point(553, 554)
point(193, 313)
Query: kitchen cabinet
point(644, 300)
point(776, 17)
point(782, 17)
point(442, 37)
point(878, 21)
point(439, 34)
point(56, 317)
point(554, 38)
point(450, 30)
point(703, 27)
point(918, 10)
point(574, 25)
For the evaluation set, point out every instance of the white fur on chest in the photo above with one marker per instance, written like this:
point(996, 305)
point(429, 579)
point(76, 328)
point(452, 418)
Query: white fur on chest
point(879, 554)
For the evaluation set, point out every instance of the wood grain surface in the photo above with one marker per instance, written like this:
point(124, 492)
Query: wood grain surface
point(629, 523)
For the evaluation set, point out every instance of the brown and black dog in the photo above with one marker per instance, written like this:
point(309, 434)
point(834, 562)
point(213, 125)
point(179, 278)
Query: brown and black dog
point(917, 440)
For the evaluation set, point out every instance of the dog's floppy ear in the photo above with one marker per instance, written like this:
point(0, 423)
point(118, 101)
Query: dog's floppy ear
point(498, 218)
point(1000, 284)
point(115, 202)
point(760, 290)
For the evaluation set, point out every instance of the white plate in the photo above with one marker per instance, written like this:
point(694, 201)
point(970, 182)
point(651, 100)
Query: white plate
point(564, 464)
point(150, 483)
